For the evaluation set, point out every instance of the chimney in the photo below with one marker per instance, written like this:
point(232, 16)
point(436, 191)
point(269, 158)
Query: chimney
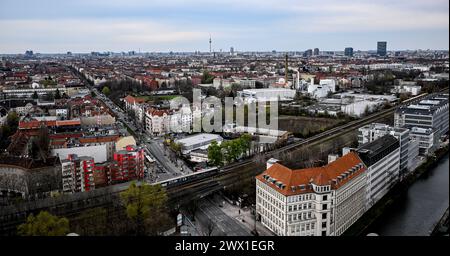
point(270, 162)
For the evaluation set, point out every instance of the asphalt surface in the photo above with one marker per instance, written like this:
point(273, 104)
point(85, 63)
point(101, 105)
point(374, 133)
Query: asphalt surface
point(209, 212)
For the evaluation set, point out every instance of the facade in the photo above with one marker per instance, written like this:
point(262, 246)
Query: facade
point(157, 122)
point(137, 106)
point(348, 52)
point(431, 112)
point(77, 173)
point(130, 164)
point(426, 139)
point(27, 178)
point(382, 158)
point(269, 94)
point(322, 89)
point(316, 51)
point(381, 48)
point(251, 83)
point(28, 92)
point(321, 201)
point(375, 131)
point(181, 120)
point(81, 173)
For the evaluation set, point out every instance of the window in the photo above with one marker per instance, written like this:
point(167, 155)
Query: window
point(324, 206)
point(325, 198)
point(324, 215)
point(324, 224)
point(324, 233)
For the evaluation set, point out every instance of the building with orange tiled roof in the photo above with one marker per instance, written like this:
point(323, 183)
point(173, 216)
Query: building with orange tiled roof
point(320, 201)
point(137, 105)
point(157, 121)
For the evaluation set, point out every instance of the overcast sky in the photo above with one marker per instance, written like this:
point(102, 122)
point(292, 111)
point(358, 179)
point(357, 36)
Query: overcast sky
point(52, 26)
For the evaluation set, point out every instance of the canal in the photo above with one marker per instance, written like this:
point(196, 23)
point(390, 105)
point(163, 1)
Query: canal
point(416, 212)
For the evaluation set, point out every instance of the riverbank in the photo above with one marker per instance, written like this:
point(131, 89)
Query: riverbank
point(441, 228)
point(395, 195)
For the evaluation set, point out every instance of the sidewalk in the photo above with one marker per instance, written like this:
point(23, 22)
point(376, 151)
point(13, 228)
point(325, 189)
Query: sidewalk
point(245, 218)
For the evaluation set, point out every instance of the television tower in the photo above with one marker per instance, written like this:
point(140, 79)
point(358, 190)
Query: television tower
point(210, 41)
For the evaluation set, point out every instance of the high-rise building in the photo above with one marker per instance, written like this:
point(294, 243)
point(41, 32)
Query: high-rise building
point(381, 48)
point(308, 53)
point(316, 51)
point(231, 50)
point(29, 53)
point(348, 52)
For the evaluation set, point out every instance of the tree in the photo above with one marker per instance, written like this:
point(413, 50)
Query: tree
point(35, 95)
point(57, 94)
point(176, 147)
point(215, 156)
point(207, 78)
point(12, 120)
point(91, 222)
point(44, 224)
point(106, 90)
point(146, 208)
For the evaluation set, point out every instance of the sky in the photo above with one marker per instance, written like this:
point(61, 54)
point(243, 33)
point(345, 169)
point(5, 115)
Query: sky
point(55, 26)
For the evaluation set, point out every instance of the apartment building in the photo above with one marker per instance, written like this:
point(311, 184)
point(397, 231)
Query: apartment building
point(77, 173)
point(130, 164)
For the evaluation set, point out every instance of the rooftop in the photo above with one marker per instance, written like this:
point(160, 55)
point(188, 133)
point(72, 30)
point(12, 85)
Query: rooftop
point(191, 140)
point(292, 182)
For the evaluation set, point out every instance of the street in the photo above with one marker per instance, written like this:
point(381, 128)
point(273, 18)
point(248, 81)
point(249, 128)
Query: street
point(166, 168)
point(214, 221)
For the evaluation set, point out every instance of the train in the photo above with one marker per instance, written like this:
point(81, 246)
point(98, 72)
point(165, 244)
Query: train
point(189, 177)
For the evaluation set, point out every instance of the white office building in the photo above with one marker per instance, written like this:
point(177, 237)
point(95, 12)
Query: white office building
point(431, 112)
point(371, 132)
point(321, 201)
point(268, 94)
point(382, 158)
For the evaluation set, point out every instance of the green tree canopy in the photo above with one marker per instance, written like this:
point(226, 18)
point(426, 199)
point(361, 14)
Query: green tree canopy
point(146, 208)
point(106, 90)
point(57, 94)
point(44, 224)
point(207, 78)
point(215, 156)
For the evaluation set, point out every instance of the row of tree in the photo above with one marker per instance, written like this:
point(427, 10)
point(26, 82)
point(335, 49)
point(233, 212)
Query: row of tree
point(145, 207)
point(228, 151)
point(8, 129)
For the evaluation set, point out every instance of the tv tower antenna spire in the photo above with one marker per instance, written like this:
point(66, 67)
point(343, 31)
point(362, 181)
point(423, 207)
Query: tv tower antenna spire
point(210, 41)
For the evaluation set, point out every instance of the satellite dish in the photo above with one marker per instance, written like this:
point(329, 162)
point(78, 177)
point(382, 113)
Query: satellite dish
point(72, 234)
point(372, 234)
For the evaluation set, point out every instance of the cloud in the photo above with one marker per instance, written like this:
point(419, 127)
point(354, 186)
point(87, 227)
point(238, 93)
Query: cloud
point(52, 25)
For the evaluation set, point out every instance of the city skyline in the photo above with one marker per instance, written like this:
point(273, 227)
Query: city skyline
point(163, 26)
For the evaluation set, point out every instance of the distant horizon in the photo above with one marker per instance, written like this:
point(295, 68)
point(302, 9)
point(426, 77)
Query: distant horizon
point(52, 26)
point(223, 51)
